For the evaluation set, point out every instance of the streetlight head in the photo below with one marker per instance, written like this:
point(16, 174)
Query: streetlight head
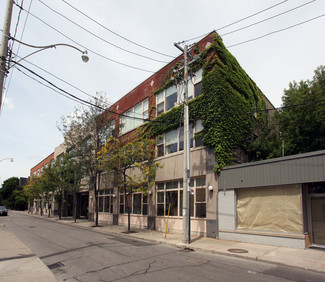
point(12, 159)
point(85, 57)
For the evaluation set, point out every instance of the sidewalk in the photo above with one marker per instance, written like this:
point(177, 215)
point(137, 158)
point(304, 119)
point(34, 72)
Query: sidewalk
point(311, 259)
point(17, 263)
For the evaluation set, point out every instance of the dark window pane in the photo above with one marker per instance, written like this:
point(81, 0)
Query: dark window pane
point(145, 199)
point(145, 209)
point(100, 204)
point(160, 210)
point(171, 101)
point(172, 199)
point(200, 210)
point(198, 89)
point(200, 195)
point(160, 108)
point(121, 208)
point(106, 204)
point(160, 150)
point(200, 181)
point(160, 186)
point(172, 185)
point(137, 204)
point(160, 197)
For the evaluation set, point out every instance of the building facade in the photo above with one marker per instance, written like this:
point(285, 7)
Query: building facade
point(278, 202)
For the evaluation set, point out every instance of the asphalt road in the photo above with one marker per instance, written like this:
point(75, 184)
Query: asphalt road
point(77, 254)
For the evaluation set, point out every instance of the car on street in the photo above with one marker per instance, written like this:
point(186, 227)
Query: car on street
point(3, 210)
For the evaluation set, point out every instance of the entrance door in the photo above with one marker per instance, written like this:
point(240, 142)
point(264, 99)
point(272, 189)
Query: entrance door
point(316, 211)
point(317, 205)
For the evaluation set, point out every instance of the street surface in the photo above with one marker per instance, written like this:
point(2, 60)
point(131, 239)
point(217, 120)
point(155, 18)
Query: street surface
point(78, 254)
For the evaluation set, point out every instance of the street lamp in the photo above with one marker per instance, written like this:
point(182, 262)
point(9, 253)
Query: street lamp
point(4, 46)
point(84, 55)
point(11, 159)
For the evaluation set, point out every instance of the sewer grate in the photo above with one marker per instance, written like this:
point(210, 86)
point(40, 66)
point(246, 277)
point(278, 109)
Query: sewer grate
point(237, 251)
point(55, 265)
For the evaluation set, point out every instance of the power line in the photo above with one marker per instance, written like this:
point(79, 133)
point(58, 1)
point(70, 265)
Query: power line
point(240, 20)
point(76, 98)
point(275, 16)
point(77, 43)
point(276, 31)
point(102, 39)
point(115, 33)
point(22, 34)
point(64, 81)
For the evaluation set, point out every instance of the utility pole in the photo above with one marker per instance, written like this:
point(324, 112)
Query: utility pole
point(4, 45)
point(186, 172)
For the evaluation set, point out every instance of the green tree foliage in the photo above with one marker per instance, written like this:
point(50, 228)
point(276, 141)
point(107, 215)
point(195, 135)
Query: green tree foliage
point(81, 132)
point(302, 118)
point(131, 164)
point(11, 194)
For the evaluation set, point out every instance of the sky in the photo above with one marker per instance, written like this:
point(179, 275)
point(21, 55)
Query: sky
point(276, 42)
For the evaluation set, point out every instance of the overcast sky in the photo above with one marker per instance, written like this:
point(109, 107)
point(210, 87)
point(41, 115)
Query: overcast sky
point(31, 111)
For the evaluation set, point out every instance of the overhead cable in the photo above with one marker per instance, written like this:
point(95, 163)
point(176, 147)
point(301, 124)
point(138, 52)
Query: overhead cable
point(100, 38)
point(240, 20)
point(90, 50)
point(276, 31)
point(277, 15)
point(115, 33)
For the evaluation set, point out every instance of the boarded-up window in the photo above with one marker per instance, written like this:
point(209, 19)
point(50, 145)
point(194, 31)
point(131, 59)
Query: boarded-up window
point(270, 209)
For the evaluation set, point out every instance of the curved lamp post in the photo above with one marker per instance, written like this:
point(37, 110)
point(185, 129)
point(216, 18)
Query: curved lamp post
point(4, 46)
point(84, 55)
point(11, 159)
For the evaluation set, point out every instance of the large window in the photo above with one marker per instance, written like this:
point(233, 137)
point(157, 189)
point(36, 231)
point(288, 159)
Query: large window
point(105, 201)
point(136, 202)
point(134, 116)
point(171, 193)
point(174, 95)
point(106, 132)
point(173, 141)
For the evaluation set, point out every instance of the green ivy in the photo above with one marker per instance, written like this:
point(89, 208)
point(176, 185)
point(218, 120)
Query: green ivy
point(226, 106)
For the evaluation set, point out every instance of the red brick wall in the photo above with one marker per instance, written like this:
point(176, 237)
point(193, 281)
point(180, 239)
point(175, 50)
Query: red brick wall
point(42, 164)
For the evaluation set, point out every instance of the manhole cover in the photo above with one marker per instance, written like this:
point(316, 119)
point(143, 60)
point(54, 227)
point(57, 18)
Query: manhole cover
point(237, 251)
point(55, 265)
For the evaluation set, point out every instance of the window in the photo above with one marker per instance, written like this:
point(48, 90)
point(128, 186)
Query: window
point(171, 193)
point(134, 116)
point(105, 201)
point(174, 95)
point(137, 203)
point(173, 141)
point(106, 132)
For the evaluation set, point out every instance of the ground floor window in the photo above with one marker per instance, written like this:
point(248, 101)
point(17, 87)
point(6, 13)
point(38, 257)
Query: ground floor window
point(170, 193)
point(270, 209)
point(136, 203)
point(105, 201)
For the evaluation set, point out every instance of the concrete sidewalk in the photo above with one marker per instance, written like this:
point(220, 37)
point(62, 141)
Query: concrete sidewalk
point(311, 259)
point(18, 263)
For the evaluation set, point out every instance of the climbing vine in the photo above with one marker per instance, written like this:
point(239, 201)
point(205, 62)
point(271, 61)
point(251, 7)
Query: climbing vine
point(229, 105)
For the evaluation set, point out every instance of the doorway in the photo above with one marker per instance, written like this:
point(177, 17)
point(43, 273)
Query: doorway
point(317, 214)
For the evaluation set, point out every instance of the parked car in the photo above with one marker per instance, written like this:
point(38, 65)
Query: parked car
point(3, 210)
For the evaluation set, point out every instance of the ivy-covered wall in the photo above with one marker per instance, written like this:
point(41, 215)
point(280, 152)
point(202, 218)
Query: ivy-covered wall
point(227, 105)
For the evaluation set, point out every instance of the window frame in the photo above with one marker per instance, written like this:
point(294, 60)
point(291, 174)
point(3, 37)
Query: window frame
point(131, 120)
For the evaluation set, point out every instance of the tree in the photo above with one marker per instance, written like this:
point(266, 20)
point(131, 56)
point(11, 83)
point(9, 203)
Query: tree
point(82, 132)
point(132, 164)
point(302, 118)
point(10, 194)
point(32, 190)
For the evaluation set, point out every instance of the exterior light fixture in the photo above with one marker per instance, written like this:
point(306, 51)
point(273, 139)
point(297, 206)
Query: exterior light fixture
point(85, 57)
point(210, 188)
